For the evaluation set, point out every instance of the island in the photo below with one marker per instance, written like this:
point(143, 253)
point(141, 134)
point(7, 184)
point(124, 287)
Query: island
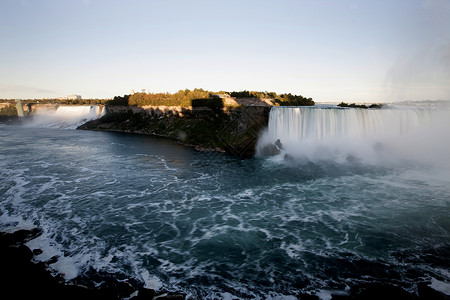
point(208, 121)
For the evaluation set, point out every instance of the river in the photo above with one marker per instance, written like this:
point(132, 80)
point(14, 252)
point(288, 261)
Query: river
point(211, 225)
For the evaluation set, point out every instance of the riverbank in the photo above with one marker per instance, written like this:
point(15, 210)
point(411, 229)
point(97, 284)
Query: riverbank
point(24, 279)
point(234, 130)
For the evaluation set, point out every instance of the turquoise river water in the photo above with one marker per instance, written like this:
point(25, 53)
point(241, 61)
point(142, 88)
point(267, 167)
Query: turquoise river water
point(319, 221)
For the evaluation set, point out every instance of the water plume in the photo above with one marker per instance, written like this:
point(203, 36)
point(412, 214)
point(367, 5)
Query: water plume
point(397, 133)
point(68, 117)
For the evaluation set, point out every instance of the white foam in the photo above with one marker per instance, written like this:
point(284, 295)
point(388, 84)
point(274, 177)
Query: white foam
point(278, 297)
point(11, 224)
point(292, 250)
point(66, 117)
point(66, 266)
point(48, 248)
point(328, 294)
point(227, 296)
point(151, 281)
point(440, 286)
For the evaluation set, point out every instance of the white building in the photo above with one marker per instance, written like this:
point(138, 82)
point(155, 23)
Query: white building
point(74, 97)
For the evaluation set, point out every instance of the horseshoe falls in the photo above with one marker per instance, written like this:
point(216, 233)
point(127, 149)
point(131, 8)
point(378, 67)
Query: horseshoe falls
point(375, 136)
point(353, 200)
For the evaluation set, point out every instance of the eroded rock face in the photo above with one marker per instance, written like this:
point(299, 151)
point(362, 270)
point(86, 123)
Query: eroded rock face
point(272, 149)
point(232, 130)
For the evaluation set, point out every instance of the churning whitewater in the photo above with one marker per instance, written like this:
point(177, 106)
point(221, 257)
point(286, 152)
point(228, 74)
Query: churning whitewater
point(419, 133)
point(353, 197)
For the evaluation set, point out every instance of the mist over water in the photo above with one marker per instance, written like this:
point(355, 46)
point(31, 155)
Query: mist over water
point(67, 117)
point(347, 202)
point(416, 132)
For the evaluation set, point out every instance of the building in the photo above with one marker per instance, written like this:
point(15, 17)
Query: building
point(74, 97)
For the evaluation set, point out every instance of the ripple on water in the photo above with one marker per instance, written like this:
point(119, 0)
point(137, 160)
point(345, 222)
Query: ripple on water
point(216, 227)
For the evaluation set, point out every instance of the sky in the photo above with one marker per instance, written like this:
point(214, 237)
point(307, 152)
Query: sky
point(329, 50)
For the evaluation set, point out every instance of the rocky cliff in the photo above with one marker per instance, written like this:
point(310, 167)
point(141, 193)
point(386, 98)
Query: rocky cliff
point(234, 130)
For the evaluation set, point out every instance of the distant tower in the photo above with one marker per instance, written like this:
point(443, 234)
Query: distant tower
point(132, 92)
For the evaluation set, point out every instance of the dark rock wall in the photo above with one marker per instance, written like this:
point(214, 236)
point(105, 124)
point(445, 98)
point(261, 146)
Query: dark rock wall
point(234, 130)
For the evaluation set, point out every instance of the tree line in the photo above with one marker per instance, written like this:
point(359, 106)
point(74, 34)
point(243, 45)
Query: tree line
point(354, 105)
point(199, 96)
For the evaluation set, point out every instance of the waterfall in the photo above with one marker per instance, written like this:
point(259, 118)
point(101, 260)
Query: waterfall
point(67, 117)
point(77, 112)
point(103, 111)
point(343, 134)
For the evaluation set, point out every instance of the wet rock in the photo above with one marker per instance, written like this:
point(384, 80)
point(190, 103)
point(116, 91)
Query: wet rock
point(272, 149)
point(144, 293)
point(24, 252)
point(278, 144)
point(52, 260)
point(113, 289)
point(171, 297)
point(37, 251)
point(20, 237)
point(23, 279)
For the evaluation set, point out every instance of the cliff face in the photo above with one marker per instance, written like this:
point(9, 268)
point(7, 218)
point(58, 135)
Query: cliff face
point(232, 130)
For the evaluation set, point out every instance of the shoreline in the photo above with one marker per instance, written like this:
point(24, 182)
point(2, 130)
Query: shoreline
point(234, 131)
point(25, 279)
point(175, 141)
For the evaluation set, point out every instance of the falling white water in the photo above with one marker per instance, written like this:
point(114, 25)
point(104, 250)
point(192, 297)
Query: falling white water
point(338, 134)
point(67, 117)
point(103, 111)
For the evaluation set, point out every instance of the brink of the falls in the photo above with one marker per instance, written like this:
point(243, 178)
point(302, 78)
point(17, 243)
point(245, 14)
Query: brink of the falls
point(367, 135)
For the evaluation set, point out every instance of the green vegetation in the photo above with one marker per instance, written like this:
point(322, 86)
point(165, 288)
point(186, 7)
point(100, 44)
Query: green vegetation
point(252, 94)
point(180, 98)
point(119, 101)
point(183, 98)
point(281, 100)
point(199, 97)
point(293, 100)
point(354, 105)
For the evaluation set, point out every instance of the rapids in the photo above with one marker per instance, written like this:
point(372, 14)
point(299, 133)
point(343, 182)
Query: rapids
point(351, 200)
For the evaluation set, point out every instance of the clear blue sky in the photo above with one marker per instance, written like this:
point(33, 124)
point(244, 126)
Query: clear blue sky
point(330, 50)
